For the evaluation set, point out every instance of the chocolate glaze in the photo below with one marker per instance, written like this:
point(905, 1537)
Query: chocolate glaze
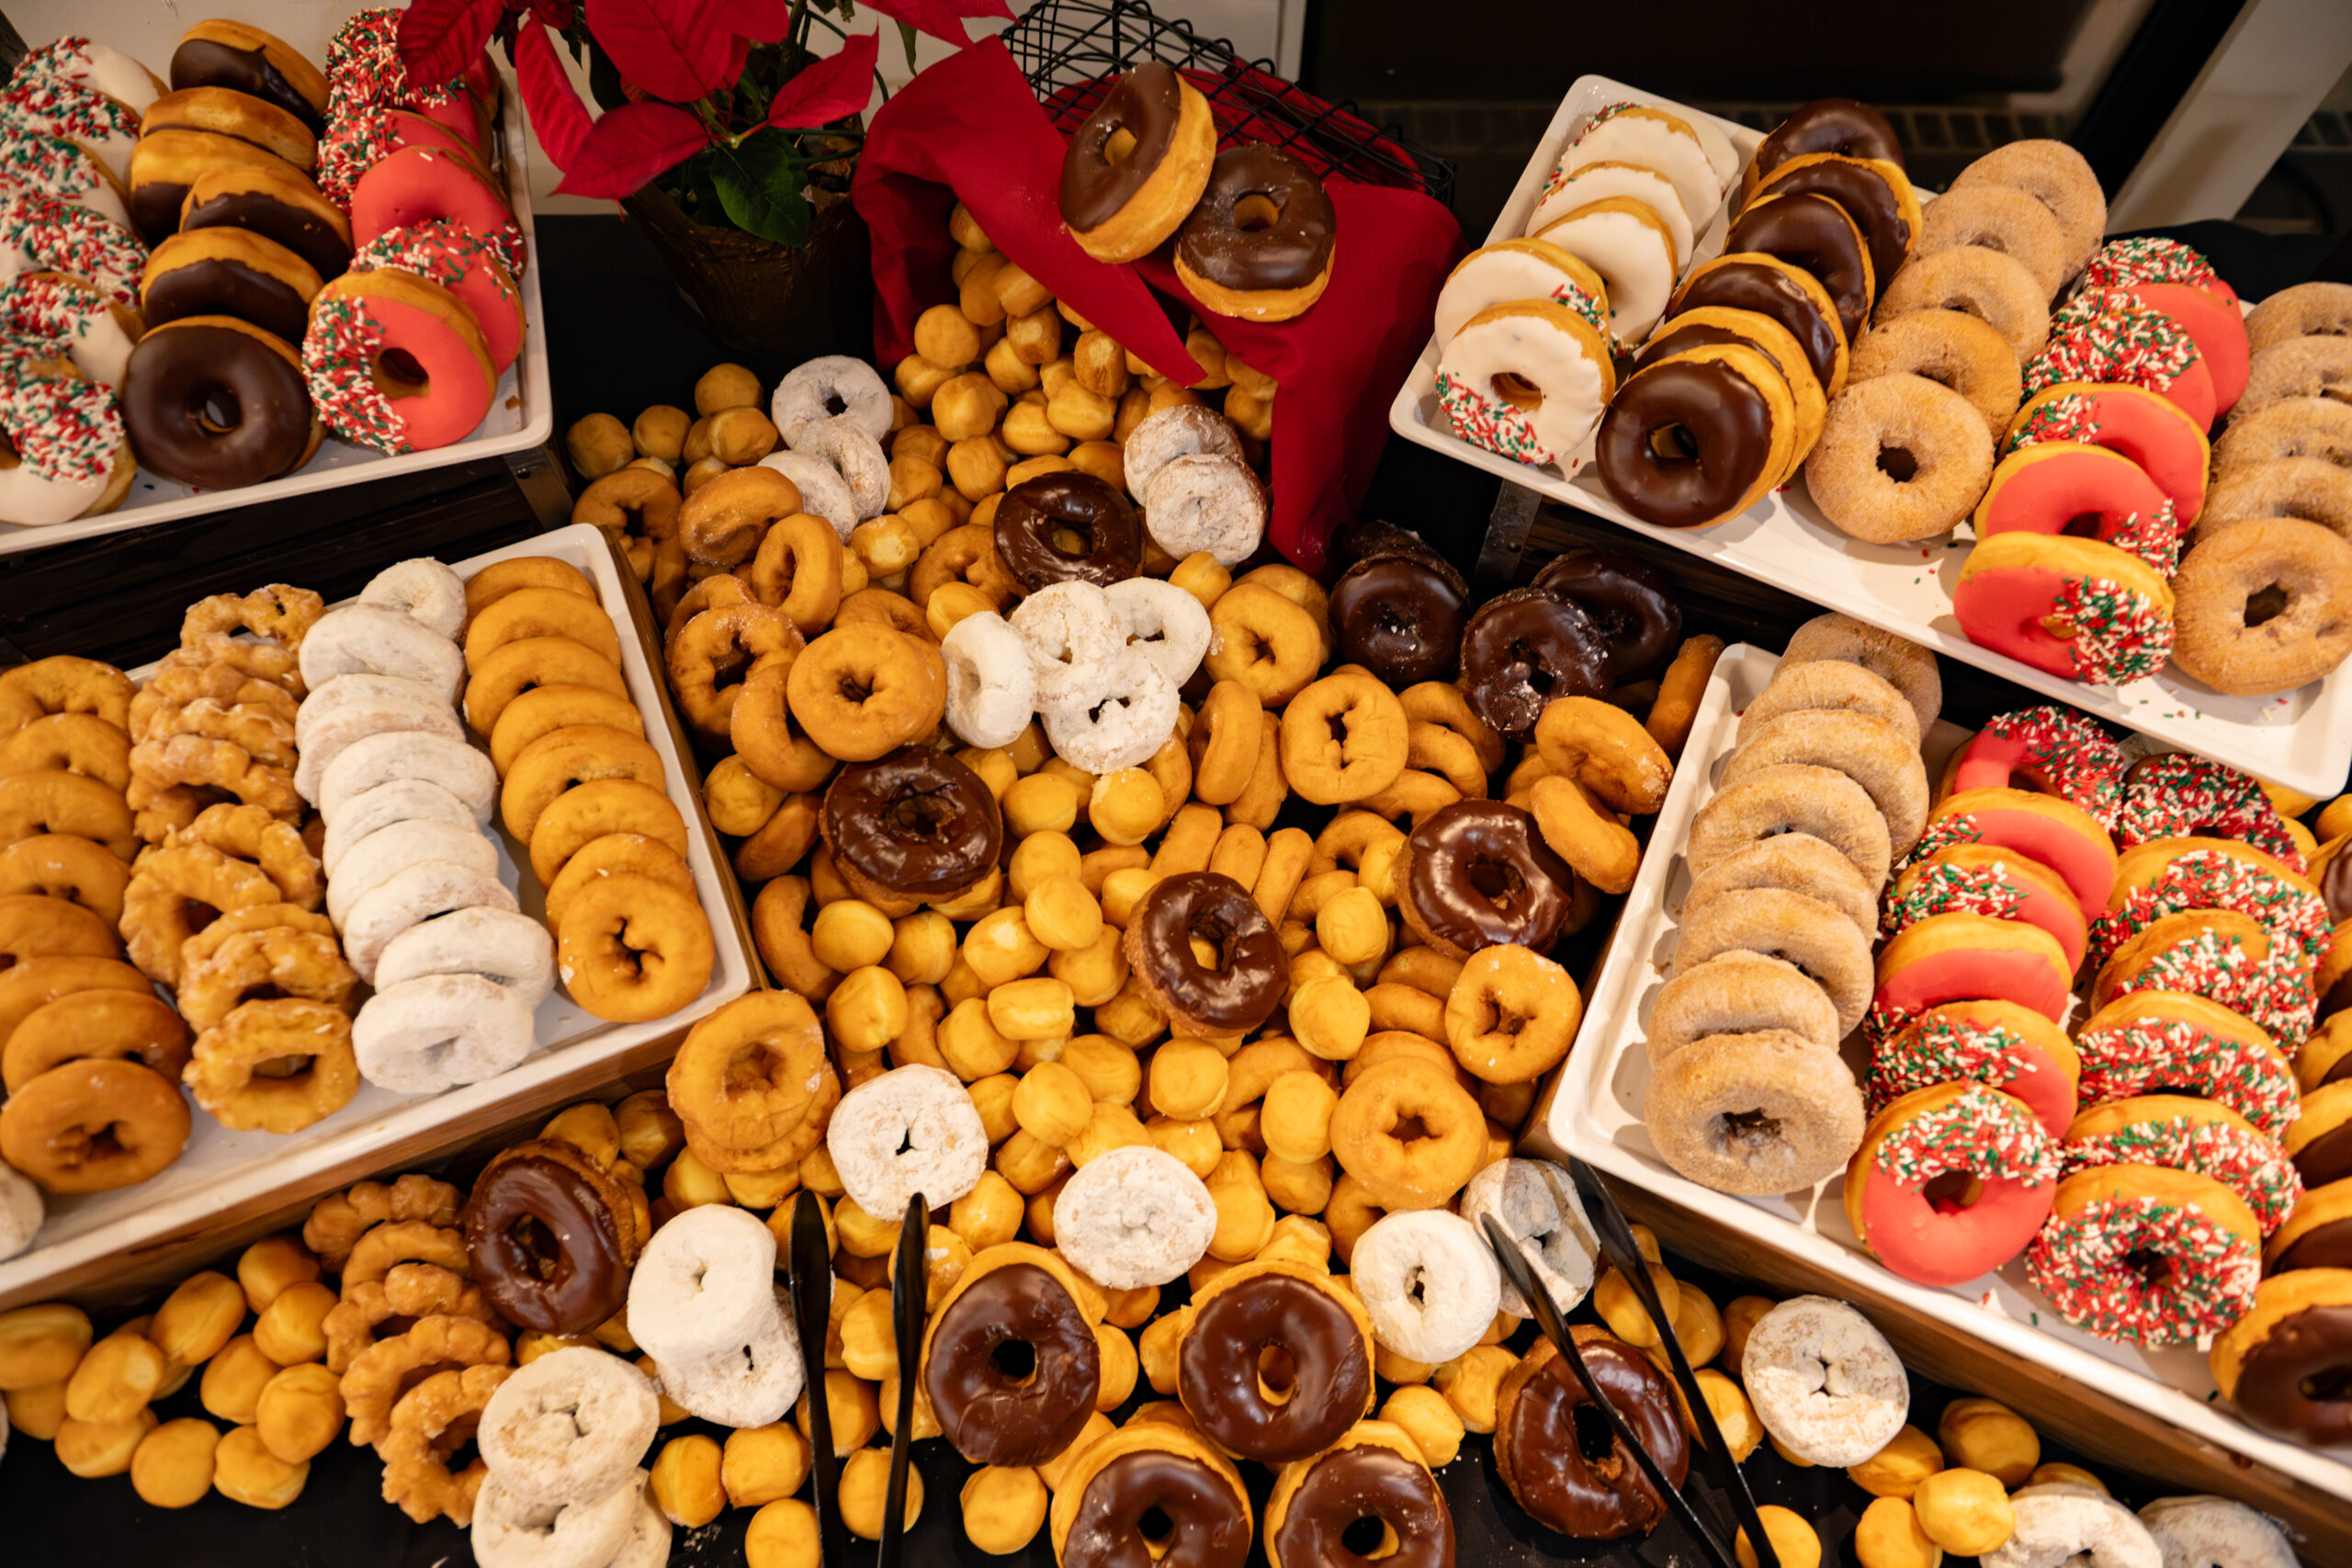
point(1400, 618)
point(1705, 409)
point(1030, 512)
point(1249, 984)
point(1524, 647)
point(1829, 125)
point(1813, 232)
point(1548, 1473)
point(2335, 887)
point(1633, 605)
point(155, 209)
point(1290, 253)
point(993, 1417)
point(202, 62)
point(1479, 875)
point(1867, 199)
point(1697, 334)
point(1218, 1373)
point(1752, 286)
point(1210, 1529)
point(2327, 1157)
point(213, 287)
point(2312, 1346)
point(305, 234)
point(2327, 1245)
point(917, 823)
point(173, 376)
point(1364, 537)
point(1365, 1482)
point(1146, 103)
point(545, 1246)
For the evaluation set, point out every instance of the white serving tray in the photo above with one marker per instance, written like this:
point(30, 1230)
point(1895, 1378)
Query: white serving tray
point(223, 1171)
point(522, 410)
point(1593, 1108)
point(2300, 739)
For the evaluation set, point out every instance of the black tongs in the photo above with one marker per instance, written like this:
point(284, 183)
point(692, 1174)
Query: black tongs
point(812, 1311)
point(910, 1294)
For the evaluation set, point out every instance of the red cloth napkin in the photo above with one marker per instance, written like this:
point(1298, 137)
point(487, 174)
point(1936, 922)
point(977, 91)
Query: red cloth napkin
point(969, 128)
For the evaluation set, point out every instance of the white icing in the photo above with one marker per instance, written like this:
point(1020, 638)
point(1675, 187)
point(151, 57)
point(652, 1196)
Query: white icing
point(1596, 182)
point(1668, 145)
point(1634, 259)
point(1545, 355)
point(1495, 277)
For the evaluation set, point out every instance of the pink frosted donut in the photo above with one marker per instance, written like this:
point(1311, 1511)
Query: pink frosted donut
point(1983, 880)
point(358, 141)
point(1950, 1182)
point(363, 66)
point(2057, 751)
point(2070, 606)
point(467, 266)
point(1962, 958)
point(2180, 794)
point(2150, 430)
point(2107, 334)
point(417, 183)
point(2121, 263)
point(2052, 487)
point(1999, 1044)
point(396, 362)
point(2216, 326)
point(2042, 827)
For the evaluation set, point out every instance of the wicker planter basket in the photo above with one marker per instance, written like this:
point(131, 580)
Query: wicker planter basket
point(791, 301)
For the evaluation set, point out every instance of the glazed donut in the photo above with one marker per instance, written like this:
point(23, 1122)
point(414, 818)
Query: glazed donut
point(2053, 487)
point(634, 948)
point(1738, 992)
point(222, 1076)
point(798, 570)
point(1980, 879)
point(2110, 337)
point(1546, 1465)
point(733, 637)
point(810, 392)
point(2308, 310)
point(1831, 685)
point(277, 961)
point(1203, 501)
point(231, 54)
point(1392, 1095)
point(1273, 269)
point(903, 683)
point(70, 437)
point(2068, 607)
point(64, 866)
point(89, 1025)
point(1374, 1473)
point(1526, 380)
point(1977, 281)
point(2181, 1132)
point(93, 332)
point(439, 1030)
point(551, 1235)
point(1526, 269)
point(1947, 457)
point(64, 683)
point(410, 897)
point(2058, 178)
point(822, 489)
point(1791, 797)
point(2000, 1045)
point(1034, 514)
point(2301, 572)
point(1874, 192)
point(1632, 252)
point(1011, 1295)
point(396, 362)
point(1701, 437)
point(466, 264)
point(1651, 138)
point(510, 949)
point(34, 925)
point(93, 1126)
point(2312, 488)
point(1275, 1304)
point(1999, 1154)
point(53, 801)
point(1511, 1016)
point(1799, 930)
point(1147, 1467)
point(722, 523)
point(2204, 1232)
point(1117, 207)
point(913, 824)
point(1825, 1383)
point(1951, 348)
point(753, 1082)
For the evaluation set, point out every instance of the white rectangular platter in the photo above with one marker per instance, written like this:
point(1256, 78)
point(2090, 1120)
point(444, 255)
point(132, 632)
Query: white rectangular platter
point(225, 1172)
point(1593, 1109)
point(2300, 739)
point(522, 411)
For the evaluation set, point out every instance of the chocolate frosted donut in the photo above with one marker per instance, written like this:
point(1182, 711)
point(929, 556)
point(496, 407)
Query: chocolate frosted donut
point(185, 376)
point(1013, 1367)
point(1476, 874)
point(1364, 1481)
point(1264, 227)
point(1814, 233)
point(1032, 514)
point(1685, 442)
point(1146, 103)
point(914, 824)
point(1400, 617)
point(1207, 1522)
point(225, 60)
point(1632, 604)
point(1541, 1455)
point(1245, 985)
point(1759, 286)
point(1268, 1319)
point(2287, 1365)
point(1867, 197)
point(1829, 125)
point(1523, 648)
point(550, 1239)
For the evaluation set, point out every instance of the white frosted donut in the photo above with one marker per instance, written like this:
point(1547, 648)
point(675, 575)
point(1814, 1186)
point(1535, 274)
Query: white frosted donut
point(509, 949)
point(376, 640)
point(379, 758)
point(854, 454)
point(1173, 432)
point(648, 1543)
point(569, 1427)
point(95, 65)
point(703, 1285)
point(40, 234)
point(833, 385)
point(1133, 718)
point(1567, 366)
point(1428, 1282)
point(1722, 156)
point(1630, 247)
point(1133, 1217)
point(1164, 624)
point(1204, 501)
point(1511, 270)
point(349, 722)
point(1651, 138)
point(1824, 1381)
point(66, 170)
point(823, 492)
point(1596, 181)
point(397, 800)
point(509, 1532)
point(21, 1210)
point(439, 1030)
point(991, 686)
point(76, 315)
point(1073, 635)
point(1538, 1207)
point(426, 589)
point(410, 896)
point(2201, 1531)
point(68, 433)
point(913, 1128)
point(2065, 1526)
point(751, 1385)
point(392, 849)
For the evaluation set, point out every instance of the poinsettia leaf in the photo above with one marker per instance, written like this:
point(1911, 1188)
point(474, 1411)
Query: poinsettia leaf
point(677, 49)
point(629, 146)
point(762, 186)
point(438, 39)
point(557, 14)
point(829, 89)
point(941, 18)
point(557, 113)
point(764, 21)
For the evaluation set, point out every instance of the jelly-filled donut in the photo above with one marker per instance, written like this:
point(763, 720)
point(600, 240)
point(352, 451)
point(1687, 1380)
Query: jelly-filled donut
point(466, 264)
point(1699, 438)
point(1705, 326)
point(1631, 603)
point(1523, 648)
point(1826, 125)
point(1234, 993)
point(1655, 138)
point(275, 201)
point(229, 272)
point(1509, 270)
point(551, 1237)
point(1153, 1491)
point(1565, 193)
point(1951, 348)
point(2180, 794)
point(1962, 957)
point(2066, 488)
point(914, 824)
point(1138, 164)
point(1901, 458)
point(1631, 250)
point(1476, 874)
point(2149, 429)
point(2146, 1255)
point(1814, 233)
point(1986, 284)
point(2265, 606)
point(1400, 615)
point(1258, 244)
point(2050, 750)
point(1789, 294)
point(1010, 1360)
point(216, 402)
point(396, 362)
point(2045, 827)
point(2284, 1365)
point(1542, 1454)
point(1875, 193)
point(2068, 607)
point(2183, 1132)
point(1980, 879)
point(1373, 1473)
point(222, 53)
point(2172, 1043)
point(1526, 380)
point(66, 433)
point(1950, 1182)
point(2000, 1045)
point(2109, 335)
point(1274, 1361)
point(418, 184)
point(1036, 515)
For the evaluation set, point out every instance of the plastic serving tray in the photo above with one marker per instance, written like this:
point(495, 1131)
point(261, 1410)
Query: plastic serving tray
point(224, 1173)
point(522, 411)
point(2300, 739)
point(1594, 1109)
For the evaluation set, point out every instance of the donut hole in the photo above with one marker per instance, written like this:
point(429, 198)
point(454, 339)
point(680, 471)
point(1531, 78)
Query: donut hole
point(1277, 1375)
point(220, 413)
point(2265, 603)
point(398, 375)
point(1157, 1530)
point(1256, 212)
point(2332, 1384)
point(1119, 146)
point(1751, 1128)
point(1953, 1193)
point(1518, 392)
point(2154, 1269)
point(1674, 444)
point(9, 457)
point(530, 1242)
point(1596, 1443)
point(1015, 1362)
point(2084, 526)
point(1898, 464)
point(1369, 1537)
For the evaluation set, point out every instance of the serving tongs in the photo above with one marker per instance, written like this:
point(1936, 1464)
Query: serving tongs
point(1547, 1317)
point(910, 1292)
point(812, 1311)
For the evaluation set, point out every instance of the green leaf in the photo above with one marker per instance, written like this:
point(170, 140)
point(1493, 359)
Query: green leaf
point(762, 185)
point(907, 37)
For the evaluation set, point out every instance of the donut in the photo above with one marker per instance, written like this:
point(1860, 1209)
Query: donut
point(436, 1032)
point(2058, 178)
point(40, 234)
point(2000, 1045)
point(1543, 1460)
point(2307, 309)
point(65, 866)
point(1631, 249)
point(1951, 348)
point(571, 1424)
point(1631, 603)
point(1373, 1137)
point(222, 1076)
point(1563, 192)
point(2213, 324)
point(1230, 997)
point(1754, 1114)
point(1793, 797)
point(1133, 1479)
point(1474, 874)
point(1787, 294)
point(1526, 380)
point(832, 386)
point(1950, 1182)
point(1400, 615)
point(1960, 956)
point(360, 136)
point(2180, 794)
point(1133, 1217)
point(1522, 650)
point(2148, 259)
point(184, 368)
point(2315, 1233)
point(93, 1126)
point(396, 362)
point(912, 824)
point(512, 950)
point(822, 489)
point(221, 53)
point(1814, 233)
point(77, 322)
point(1979, 879)
point(1138, 164)
point(856, 457)
point(2043, 828)
point(2185, 1133)
point(228, 112)
point(2068, 487)
point(1709, 326)
point(2217, 1529)
point(97, 66)
point(1257, 242)
point(2150, 1042)
point(1652, 138)
point(1035, 514)
point(1901, 458)
point(1776, 923)
point(2067, 606)
point(468, 265)
point(1011, 1298)
point(229, 272)
point(1798, 862)
point(2169, 875)
point(1874, 193)
point(2312, 488)
point(1907, 665)
point(2265, 606)
point(364, 65)
point(2002, 219)
point(424, 589)
point(1428, 1283)
point(1844, 126)
point(1537, 1205)
point(1374, 1472)
point(2050, 750)
point(2317, 1141)
point(63, 168)
point(1694, 440)
point(1272, 1305)
point(2220, 954)
point(2109, 336)
point(68, 435)
point(2299, 368)
point(2053, 1522)
point(2104, 1220)
point(257, 192)
point(2149, 429)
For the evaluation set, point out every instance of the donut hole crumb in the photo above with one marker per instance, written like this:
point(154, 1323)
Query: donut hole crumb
point(1897, 464)
point(1952, 1191)
point(2265, 603)
point(1277, 1375)
point(1595, 1441)
point(1256, 212)
point(1518, 392)
point(1159, 1531)
point(1369, 1538)
point(1015, 1362)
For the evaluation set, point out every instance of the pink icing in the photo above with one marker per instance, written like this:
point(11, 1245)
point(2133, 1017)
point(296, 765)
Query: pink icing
point(2148, 430)
point(1976, 974)
point(1940, 1240)
point(2048, 494)
point(418, 183)
point(2218, 329)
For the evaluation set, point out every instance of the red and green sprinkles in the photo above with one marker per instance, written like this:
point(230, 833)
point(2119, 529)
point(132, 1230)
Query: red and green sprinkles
point(2146, 1055)
point(339, 364)
point(2083, 1262)
point(67, 430)
point(1960, 828)
point(57, 106)
point(2109, 335)
point(2273, 991)
point(1946, 1050)
point(1483, 420)
point(1944, 888)
point(2068, 417)
point(1581, 301)
point(2248, 1163)
point(2154, 536)
point(364, 67)
point(51, 310)
point(1979, 1133)
point(2068, 753)
point(357, 139)
point(36, 161)
point(2120, 634)
point(2180, 793)
point(439, 250)
point(2119, 263)
point(49, 235)
point(2214, 879)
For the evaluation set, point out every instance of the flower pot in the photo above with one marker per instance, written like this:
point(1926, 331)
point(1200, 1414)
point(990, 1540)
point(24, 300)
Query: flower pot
point(791, 301)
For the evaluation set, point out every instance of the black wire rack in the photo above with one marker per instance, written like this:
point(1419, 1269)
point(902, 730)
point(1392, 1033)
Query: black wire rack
point(1071, 50)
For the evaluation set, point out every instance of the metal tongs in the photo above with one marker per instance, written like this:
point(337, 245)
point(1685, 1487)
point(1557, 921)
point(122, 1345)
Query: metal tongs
point(812, 1311)
point(910, 1293)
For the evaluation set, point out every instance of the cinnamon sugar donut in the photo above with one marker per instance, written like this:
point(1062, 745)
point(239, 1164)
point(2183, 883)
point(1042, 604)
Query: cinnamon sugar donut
point(2310, 488)
point(1791, 797)
point(1798, 861)
point(2308, 310)
point(1755, 1114)
point(1791, 927)
point(1830, 685)
point(2290, 427)
point(1984, 283)
point(2298, 367)
point(1873, 754)
point(1739, 992)
point(1901, 458)
point(2264, 607)
point(1910, 667)
point(2059, 178)
point(1999, 217)
point(1953, 349)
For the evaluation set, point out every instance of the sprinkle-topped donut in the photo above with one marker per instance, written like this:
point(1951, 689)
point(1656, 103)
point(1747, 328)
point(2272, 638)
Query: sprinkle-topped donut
point(2181, 1134)
point(2110, 335)
point(396, 362)
point(57, 106)
point(2058, 750)
point(1978, 879)
point(2149, 429)
point(75, 319)
point(364, 135)
point(2007, 1159)
point(2271, 989)
point(363, 66)
point(2180, 793)
point(2204, 874)
point(2008, 1047)
point(442, 251)
point(2067, 606)
point(93, 65)
point(2083, 1260)
point(2153, 1042)
point(36, 161)
point(418, 183)
point(41, 234)
point(2147, 259)
point(67, 436)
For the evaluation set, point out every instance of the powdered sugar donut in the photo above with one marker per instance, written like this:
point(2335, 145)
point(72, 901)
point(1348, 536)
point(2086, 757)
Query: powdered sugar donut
point(833, 386)
point(1073, 636)
point(1632, 249)
point(646, 1544)
point(509, 1532)
point(1133, 718)
point(1133, 1217)
point(322, 703)
point(21, 1212)
point(376, 759)
point(2215, 1533)
point(2061, 1524)
point(1510, 270)
point(1548, 349)
point(1652, 138)
point(857, 456)
point(1164, 624)
point(93, 332)
point(1596, 182)
point(913, 1128)
point(74, 454)
point(410, 896)
point(424, 1035)
point(1824, 1381)
point(379, 640)
point(1427, 1282)
point(396, 800)
point(384, 854)
point(569, 1427)
point(97, 66)
point(704, 1286)
point(426, 590)
point(822, 491)
point(510, 950)
point(751, 1385)
point(991, 686)
point(1202, 502)
point(1173, 432)
point(356, 718)
point(41, 234)
point(466, 264)
point(1538, 1205)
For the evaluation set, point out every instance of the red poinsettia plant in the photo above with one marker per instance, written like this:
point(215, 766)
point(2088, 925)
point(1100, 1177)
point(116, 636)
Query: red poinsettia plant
point(721, 104)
